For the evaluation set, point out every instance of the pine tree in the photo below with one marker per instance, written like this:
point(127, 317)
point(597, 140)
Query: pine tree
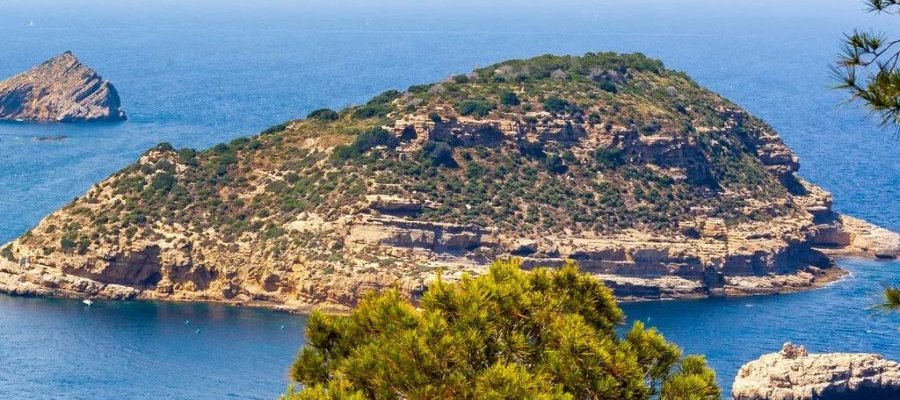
point(508, 334)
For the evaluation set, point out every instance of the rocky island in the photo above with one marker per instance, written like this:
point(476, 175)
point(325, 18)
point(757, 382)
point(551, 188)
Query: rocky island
point(794, 374)
point(61, 89)
point(648, 181)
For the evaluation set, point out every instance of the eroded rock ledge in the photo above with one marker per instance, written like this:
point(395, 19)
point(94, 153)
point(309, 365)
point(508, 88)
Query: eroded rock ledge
point(793, 374)
point(61, 89)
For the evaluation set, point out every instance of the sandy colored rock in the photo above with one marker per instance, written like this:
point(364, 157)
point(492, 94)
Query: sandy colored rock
point(794, 374)
point(61, 89)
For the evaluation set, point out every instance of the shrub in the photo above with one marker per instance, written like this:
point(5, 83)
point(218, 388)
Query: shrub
point(374, 138)
point(379, 106)
point(609, 157)
point(419, 88)
point(324, 114)
point(509, 98)
point(554, 163)
point(556, 105)
point(509, 334)
point(164, 146)
point(365, 142)
point(439, 154)
point(275, 129)
point(67, 243)
point(479, 108)
point(532, 149)
point(163, 182)
point(188, 156)
point(608, 86)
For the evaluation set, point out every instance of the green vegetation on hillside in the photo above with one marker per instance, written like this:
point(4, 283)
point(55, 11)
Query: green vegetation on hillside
point(556, 176)
point(546, 334)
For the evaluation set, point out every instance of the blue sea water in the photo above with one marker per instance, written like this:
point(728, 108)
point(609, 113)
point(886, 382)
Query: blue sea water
point(204, 72)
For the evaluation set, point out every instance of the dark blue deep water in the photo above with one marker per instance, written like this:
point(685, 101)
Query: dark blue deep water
point(207, 72)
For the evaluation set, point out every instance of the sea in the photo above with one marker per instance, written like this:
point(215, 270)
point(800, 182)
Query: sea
point(203, 72)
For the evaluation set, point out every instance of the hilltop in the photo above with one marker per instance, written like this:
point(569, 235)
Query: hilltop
point(656, 185)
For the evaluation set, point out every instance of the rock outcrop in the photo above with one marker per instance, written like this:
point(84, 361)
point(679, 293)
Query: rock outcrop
point(793, 374)
point(655, 185)
point(61, 89)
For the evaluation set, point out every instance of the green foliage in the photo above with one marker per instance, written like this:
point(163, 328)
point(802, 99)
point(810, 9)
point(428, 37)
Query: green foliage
point(164, 146)
point(324, 114)
point(509, 98)
point(365, 142)
point(379, 106)
point(608, 86)
point(891, 298)
point(67, 243)
point(439, 154)
point(509, 334)
point(461, 78)
point(607, 157)
point(188, 156)
point(532, 149)
point(539, 68)
point(374, 138)
point(479, 108)
point(7, 253)
point(867, 67)
point(163, 181)
point(554, 163)
point(275, 129)
point(556, 105)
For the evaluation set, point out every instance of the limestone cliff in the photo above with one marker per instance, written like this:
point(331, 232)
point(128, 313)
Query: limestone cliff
point(652, 183)
point(793, 374)
point(61, 89)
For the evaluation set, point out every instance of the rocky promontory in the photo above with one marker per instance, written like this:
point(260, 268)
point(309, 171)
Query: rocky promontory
point(657, 186)
point(61, 89)
point(793, 374)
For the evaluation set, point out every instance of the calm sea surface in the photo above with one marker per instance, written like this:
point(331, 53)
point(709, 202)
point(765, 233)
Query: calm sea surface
point(201, 74)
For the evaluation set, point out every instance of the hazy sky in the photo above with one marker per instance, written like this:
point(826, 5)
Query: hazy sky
point(688, 15)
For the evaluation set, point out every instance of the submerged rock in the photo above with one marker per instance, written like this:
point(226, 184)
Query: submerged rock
point(794, 374)
point(61, 89)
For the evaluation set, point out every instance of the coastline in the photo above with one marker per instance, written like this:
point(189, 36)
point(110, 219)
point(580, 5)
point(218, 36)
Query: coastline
point(15, 283)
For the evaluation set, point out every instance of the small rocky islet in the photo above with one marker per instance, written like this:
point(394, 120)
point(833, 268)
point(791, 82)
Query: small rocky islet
point(794, 374)
point(61, 89)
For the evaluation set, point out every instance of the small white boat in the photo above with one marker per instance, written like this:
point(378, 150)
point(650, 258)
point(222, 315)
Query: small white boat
point(30, 24)
point(88, 302)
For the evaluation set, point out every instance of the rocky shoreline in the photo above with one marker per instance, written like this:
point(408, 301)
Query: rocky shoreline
point(794, 374)
point(31, 279)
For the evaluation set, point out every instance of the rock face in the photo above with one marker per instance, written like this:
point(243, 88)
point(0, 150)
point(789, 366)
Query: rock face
point(655, 185)
point(61, 89)
point(793, 374)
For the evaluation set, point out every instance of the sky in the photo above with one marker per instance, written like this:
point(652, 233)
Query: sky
point(673, 16)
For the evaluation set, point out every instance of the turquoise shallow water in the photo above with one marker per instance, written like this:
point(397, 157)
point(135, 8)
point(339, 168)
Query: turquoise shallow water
point(199, 74)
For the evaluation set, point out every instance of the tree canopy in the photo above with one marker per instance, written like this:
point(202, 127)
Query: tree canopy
point(867, 67)
point(508, 334)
